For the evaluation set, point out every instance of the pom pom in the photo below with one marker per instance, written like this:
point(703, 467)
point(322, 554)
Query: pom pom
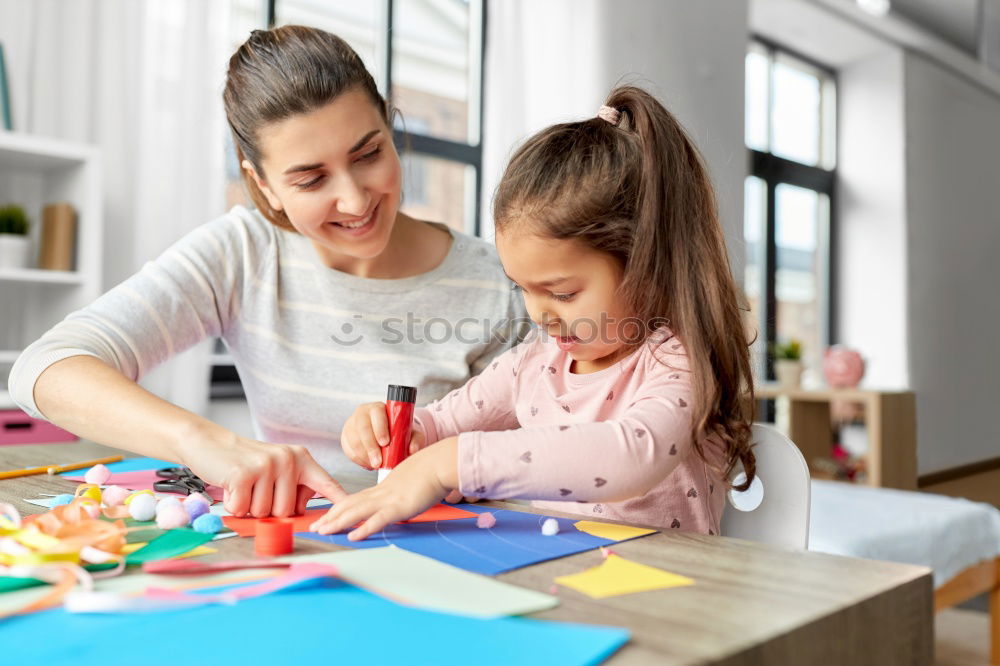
point(550, 527)
point(98, 475)
point(89, 491)
point(208, 500)
point(485, 521)
point(115, 495)
point(171, 516)
point(128, 500)
point(61, 500)
point(207, 524)
point(93, 509)
point(195, 506)
point(162, 505)
point(142, 506)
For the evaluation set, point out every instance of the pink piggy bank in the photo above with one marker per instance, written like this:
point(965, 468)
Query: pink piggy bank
point(843, 367)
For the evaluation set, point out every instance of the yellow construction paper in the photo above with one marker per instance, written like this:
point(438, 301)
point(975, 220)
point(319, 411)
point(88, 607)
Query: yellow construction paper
point(616, 575)
point(611, 530)
point(194, 552)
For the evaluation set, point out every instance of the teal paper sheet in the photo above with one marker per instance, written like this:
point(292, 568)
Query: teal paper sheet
point(329, 622)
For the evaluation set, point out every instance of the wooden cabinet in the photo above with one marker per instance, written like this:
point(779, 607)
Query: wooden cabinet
point(890, 418)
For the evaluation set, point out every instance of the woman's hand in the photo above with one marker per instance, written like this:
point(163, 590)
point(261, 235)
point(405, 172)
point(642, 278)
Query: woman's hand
point(367, 431)
point(417, 483)
point(259, 478)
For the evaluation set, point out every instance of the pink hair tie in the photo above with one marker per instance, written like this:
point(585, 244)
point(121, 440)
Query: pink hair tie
point(610, 114)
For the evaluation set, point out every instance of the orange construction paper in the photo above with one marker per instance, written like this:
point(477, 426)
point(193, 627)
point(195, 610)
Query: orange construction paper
point(248, 526)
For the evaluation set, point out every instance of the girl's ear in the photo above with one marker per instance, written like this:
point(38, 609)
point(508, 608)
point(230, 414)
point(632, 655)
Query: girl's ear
point(272, 199)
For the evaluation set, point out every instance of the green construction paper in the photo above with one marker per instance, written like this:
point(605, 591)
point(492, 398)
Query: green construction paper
point(421, 582)
point(167, 545)
point(10, 583)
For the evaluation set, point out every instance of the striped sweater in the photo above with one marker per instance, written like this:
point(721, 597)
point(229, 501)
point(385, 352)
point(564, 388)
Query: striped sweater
point(310, 343)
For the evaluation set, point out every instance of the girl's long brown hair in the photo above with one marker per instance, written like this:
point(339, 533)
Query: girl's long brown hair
point(282, 72)
point(640, 191)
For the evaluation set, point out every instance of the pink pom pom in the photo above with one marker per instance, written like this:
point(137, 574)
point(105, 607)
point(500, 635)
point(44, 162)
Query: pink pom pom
point(98, 475)
point(115, 495)
point(208, 500)
point(485, 521)
point(171, 517)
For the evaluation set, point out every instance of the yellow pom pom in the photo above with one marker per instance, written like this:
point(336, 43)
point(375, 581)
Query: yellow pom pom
point(90, 491)
point(136, 494)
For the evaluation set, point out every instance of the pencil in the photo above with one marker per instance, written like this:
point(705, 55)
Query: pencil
point(56, 469)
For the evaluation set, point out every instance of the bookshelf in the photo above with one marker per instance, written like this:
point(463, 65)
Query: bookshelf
point(36, 171)
point(890, 419)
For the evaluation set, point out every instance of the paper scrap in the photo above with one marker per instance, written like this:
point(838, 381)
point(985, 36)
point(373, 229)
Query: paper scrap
point(611, 531)
point(616, 575)
point(194, 552)
point(421, 582)
point(169, 544)
point(248, 526)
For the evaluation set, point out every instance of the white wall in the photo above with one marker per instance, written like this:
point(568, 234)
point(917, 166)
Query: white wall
point(953, 217)
point(871, 217)
point(556, 60)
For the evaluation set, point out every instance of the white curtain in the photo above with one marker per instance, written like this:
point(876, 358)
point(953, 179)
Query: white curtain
point(141, 79)
point(556, 60)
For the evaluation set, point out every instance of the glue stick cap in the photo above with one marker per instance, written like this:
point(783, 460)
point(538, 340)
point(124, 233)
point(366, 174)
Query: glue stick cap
point(402, 393)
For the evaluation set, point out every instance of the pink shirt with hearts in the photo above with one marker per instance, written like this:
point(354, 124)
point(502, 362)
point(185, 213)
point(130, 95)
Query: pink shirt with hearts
point(614, 444)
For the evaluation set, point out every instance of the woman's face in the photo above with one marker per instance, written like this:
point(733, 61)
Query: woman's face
point(336, 175)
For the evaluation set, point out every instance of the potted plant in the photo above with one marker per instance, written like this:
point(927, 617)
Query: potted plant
point(788, 363)
point(14, 243)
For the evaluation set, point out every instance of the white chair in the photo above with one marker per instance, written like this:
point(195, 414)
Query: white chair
point(775, 508)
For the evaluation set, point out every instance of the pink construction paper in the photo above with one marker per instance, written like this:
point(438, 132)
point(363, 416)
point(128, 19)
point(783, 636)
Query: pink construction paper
point(144, 480)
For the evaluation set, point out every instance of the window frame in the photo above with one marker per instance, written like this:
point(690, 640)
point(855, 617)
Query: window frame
point(775, 170)
point(464, 153)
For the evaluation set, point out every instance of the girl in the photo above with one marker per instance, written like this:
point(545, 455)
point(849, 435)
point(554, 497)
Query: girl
point(634, 399)
point(320, 294)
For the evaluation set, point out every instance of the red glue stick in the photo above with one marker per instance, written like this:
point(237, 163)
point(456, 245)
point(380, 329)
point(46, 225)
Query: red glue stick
point(399, 409)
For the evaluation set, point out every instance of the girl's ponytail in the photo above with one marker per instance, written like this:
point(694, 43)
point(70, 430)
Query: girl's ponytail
point(679, 248)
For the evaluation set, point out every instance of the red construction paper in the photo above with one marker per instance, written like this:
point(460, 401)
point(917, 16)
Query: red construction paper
point(248, 526)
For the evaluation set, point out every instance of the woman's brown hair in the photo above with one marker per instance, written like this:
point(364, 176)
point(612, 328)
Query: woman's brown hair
point(639, 191)
point(282, 72)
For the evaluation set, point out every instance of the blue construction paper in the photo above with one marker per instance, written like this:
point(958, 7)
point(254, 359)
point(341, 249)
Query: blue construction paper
point(127, 465)
point(515, 541)
point(329, 622)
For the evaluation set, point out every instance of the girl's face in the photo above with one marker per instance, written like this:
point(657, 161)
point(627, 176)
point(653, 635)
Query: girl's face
point(570, 291)
point(336, 175)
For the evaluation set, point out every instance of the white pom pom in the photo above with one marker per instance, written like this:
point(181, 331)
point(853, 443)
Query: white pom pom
point(550, 527)
point(142, 507)
point(172, 516)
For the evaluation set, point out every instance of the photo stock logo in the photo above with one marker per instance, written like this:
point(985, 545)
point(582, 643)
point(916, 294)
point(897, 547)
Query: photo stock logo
point(414, 330)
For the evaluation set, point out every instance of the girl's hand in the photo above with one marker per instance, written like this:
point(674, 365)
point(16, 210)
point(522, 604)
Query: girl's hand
point(259, 478)
point(367, 431)
point(416, 484)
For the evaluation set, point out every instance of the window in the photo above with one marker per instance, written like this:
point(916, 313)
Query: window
point(788, 224)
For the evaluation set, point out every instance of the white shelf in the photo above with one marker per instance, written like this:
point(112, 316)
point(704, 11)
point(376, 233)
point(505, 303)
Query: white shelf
point(40, 276)
point(25, 151)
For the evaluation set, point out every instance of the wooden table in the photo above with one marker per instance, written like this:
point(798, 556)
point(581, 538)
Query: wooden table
point(751, 604)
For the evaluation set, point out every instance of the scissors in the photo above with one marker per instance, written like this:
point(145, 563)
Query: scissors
point(178, 480)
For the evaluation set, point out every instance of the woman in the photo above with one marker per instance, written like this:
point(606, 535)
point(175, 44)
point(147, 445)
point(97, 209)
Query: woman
point(324, 294)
